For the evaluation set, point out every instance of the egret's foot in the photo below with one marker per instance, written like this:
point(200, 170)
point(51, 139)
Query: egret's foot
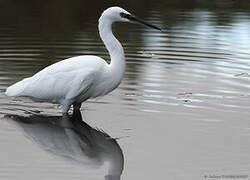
point(65, 113)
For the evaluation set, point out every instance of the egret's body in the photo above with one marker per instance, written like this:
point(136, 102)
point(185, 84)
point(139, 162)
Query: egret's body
point(77, 79)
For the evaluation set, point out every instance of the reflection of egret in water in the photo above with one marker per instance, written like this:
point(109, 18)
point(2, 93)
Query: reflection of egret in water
point(70, 138)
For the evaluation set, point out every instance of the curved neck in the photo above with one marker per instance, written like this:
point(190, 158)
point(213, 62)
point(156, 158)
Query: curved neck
point(117, 63)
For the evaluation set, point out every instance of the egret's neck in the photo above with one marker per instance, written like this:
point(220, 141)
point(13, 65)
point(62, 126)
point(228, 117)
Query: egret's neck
point(117, 63)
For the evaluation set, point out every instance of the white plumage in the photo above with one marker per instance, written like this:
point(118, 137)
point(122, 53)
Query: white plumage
point(77, 79)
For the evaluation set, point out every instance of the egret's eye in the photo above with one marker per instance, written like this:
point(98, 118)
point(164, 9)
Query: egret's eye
point(124, 15)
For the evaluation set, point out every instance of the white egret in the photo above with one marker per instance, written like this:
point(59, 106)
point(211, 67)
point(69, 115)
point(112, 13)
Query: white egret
point(74, 80)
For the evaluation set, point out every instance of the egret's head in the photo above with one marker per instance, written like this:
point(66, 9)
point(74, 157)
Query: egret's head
point(114, 14)
point(117, 14)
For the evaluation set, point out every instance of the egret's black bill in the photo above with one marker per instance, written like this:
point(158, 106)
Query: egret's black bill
point(136, 19)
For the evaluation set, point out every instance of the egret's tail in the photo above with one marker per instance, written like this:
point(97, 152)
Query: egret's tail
point(18, 88)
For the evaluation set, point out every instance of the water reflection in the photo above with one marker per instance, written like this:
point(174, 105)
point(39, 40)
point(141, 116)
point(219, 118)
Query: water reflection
point(72, 139)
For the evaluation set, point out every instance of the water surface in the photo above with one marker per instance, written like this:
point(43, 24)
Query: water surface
point(181, 112)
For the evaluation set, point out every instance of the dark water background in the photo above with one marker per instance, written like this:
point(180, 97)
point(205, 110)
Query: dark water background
point(181, 112)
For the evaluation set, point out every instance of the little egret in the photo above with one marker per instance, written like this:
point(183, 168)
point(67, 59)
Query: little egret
point(74, 80)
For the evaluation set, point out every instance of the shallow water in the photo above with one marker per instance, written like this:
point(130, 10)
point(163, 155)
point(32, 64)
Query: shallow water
point(181, 112)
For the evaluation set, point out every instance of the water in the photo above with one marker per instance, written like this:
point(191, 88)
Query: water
point(181, 111)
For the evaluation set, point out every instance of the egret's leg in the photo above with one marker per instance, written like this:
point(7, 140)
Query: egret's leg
point(66, 106)
point(77, 106)
point(65, 109)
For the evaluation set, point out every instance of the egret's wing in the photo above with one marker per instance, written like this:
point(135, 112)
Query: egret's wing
point(60, 85)
point(66, 79)
point(80, 85)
